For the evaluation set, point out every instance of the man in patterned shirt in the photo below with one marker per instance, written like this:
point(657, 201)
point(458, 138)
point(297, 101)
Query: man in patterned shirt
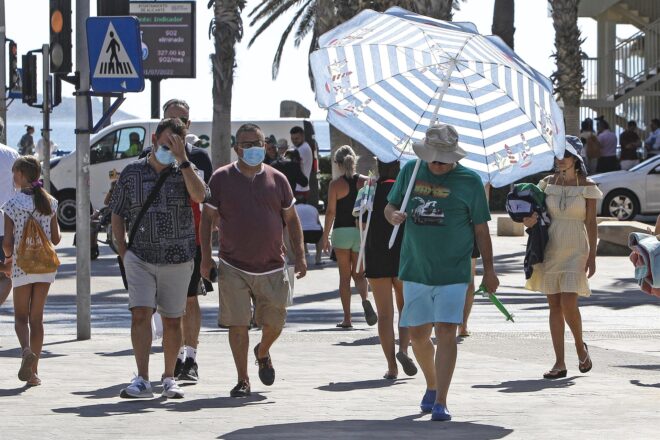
point(159, 262)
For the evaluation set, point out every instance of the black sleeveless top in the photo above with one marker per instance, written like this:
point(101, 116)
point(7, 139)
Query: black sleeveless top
point(344, 212)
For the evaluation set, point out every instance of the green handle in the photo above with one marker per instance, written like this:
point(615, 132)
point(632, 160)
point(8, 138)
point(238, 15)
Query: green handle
point(496, 301)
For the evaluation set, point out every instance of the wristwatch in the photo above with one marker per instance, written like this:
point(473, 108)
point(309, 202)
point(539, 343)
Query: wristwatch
point(184, 165)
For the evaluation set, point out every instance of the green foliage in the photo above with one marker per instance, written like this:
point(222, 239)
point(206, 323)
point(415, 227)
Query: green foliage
point(324, 183)
point(325, 164)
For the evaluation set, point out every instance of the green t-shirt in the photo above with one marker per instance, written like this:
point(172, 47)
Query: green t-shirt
point(439, 235)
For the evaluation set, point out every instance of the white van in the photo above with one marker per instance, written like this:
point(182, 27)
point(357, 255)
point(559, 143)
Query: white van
point(110, 150)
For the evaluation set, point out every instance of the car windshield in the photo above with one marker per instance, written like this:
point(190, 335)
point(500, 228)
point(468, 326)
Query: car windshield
point(655, 160)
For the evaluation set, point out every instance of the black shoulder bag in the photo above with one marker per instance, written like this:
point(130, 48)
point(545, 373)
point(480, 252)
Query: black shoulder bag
point(138, 219)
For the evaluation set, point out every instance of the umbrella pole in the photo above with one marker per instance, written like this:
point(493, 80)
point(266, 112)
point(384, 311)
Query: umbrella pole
point(363, 244)
point(411, 184)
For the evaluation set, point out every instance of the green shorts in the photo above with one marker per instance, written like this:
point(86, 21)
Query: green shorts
point(346, 238)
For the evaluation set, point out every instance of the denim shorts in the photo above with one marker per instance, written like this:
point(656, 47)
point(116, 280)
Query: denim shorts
point(430, 304)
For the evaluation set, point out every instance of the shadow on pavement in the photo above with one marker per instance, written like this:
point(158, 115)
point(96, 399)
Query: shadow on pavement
point(404, 427)
point(361, 385)
point(333, 329)
point(372, 340)
point(640, 367)
point(13, 391)
point(530, 385)
point(128, 352)
point(645, 385)
point(16, 353)
point(143, 406)
point(101, 393)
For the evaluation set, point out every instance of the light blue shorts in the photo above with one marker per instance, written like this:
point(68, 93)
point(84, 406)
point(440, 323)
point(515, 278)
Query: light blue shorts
point(429, 304)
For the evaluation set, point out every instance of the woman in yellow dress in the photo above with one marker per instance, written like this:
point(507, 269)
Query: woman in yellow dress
point(570, 254)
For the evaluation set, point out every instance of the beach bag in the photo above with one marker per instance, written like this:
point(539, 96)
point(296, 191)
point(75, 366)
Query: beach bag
point(36, 254)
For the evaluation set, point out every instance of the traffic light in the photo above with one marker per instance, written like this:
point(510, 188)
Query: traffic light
point(29, 88)
point(60, 36)
point(112, 7)
point(13, 65)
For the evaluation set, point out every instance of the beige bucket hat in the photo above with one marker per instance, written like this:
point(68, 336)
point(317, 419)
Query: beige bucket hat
point(439, 145)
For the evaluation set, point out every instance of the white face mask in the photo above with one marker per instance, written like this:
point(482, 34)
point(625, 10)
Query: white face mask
point(164, 156)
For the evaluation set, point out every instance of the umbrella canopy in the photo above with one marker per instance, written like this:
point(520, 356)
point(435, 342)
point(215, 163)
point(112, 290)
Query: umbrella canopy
point(385, 77)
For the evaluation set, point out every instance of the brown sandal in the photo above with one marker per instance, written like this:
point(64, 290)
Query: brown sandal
point(34, 381)
point(29, 359)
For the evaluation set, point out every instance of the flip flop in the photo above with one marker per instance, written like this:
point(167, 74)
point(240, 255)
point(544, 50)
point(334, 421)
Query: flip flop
point(389, 376)
point(29, 358)
point(342, 325)
point(555, 374)
point(406, 363)
point(582, 366)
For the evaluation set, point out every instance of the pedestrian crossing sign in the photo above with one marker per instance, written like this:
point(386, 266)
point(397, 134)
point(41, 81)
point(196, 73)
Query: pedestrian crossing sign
point(115, 54)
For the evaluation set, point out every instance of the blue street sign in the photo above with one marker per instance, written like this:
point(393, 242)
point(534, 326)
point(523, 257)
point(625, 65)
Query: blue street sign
point(115, 54)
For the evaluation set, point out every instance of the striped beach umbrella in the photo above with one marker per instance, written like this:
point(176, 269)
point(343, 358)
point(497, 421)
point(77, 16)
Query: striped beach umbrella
point(385, 77)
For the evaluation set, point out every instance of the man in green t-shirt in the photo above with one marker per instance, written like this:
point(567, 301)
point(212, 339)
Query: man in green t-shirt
point(447, 210)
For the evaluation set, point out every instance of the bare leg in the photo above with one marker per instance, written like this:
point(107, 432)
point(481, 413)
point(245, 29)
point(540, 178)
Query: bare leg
point(37, 304)
point(319, 253)
point(404, 332)
point(141, 338)
point(557, 330)
point(191, 322)
point(22, 297)
point(445, 359)
point(344, 265)
point(358, 277)
point(269, 335)
point(5, 288)
point(239, 341)
point(469, 300)
point(569, 307)
point(171, 343)
point(424, 352)
point(382, 290)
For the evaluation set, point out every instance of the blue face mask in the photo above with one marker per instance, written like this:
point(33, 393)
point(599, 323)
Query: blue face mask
point(164, 156)
point(253, 156)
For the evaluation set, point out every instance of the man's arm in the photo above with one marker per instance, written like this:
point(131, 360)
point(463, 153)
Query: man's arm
point(482, 234)
point(209, 217)
point(292, 221)
point(197, 189)
point(119, 232)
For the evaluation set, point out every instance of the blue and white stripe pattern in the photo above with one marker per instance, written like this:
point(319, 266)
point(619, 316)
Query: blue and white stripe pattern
point(379, 76)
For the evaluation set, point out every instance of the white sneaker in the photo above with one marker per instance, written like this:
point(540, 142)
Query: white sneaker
point(139, 388)
point(171, 389)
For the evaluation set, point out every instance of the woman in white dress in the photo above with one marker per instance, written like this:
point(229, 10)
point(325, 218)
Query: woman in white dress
point(30, 290)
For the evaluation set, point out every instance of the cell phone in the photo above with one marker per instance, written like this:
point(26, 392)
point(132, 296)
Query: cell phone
point(213, 274)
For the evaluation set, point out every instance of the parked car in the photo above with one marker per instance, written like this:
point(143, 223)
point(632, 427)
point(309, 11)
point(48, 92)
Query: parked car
point(629, 193)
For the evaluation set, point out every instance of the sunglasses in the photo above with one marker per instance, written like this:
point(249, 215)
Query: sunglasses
point(183, 119)
point(435, 162)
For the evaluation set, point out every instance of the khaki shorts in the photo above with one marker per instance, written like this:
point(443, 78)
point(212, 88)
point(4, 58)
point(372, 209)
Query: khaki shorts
point(163, 287)
point(270, 293)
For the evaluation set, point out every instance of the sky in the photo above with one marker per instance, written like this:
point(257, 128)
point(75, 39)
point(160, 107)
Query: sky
point(255, 95)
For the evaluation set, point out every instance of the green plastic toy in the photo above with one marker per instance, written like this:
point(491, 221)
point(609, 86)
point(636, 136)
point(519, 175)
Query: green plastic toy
point(496, 301)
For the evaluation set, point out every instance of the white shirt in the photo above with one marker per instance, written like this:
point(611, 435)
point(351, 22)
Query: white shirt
point(307, 159)
point(653, 140)
point(309, 217)
point(39, 150)
point(7, 158)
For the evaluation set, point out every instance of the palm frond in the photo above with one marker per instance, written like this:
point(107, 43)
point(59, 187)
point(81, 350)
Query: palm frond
point(256, 8)
point(271, 19)
point(306, 23)
point(280, 47)
point(271, 8)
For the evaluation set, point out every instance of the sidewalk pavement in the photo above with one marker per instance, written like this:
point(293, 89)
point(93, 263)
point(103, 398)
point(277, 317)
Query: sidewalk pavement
point(328, 383)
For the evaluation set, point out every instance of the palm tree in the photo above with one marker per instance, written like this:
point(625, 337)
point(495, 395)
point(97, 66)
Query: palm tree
point(503, 19)
point(568, 76)
point(226, 28)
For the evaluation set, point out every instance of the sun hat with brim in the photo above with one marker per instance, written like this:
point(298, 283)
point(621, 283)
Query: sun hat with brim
point(439, 145)
point(574, 146)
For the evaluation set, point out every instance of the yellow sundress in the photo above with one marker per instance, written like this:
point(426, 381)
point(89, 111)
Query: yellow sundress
point(567, 250)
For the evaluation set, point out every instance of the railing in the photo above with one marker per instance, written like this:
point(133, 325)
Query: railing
point(590, 75)
point(636, 57)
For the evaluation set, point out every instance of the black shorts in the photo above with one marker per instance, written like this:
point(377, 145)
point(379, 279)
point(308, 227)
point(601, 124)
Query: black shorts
point(196, 288)
point(475, 249)
point(312, 236)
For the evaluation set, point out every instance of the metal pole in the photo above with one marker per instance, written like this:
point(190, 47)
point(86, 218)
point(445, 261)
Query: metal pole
point(45, 132)
point(155, 98)
point(83, 292)
point(3, 79)
point(106, 107)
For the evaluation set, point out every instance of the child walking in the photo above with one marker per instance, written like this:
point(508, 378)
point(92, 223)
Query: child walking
point(30, 289)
